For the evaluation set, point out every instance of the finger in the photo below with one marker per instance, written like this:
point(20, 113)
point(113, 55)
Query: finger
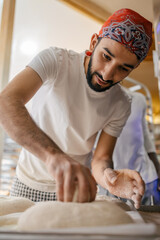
point(141, 188)
point(137, 200)
point(59, 186)
point(75, 195)
point(138, 189)
point(111, 175)
point(83, 187)
point(69, 185)
point(92, 186)
point(137, 205)
point(139, 181)
point(135, 190)
point(134, 182)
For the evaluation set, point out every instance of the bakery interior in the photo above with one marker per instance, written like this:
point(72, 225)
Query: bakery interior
point(29, 26)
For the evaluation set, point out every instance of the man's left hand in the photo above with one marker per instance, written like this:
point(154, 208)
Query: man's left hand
point(125, 183)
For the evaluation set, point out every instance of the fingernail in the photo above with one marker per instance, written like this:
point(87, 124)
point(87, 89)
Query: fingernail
point(113, 179)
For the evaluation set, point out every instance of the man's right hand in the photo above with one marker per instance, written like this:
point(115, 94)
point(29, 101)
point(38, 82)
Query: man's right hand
point(69, 175)
point(22, 129)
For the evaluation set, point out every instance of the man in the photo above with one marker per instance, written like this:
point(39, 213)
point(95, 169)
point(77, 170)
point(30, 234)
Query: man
point(76, 95)
point(135, 150)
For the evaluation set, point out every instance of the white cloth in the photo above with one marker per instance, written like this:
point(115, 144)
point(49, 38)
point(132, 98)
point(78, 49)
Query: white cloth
point(135, 142)
point(70, 112)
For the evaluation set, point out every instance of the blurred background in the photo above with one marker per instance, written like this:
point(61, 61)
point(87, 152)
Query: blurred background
point(29, 26)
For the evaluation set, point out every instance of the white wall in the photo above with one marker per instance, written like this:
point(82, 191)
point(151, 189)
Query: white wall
point(45, 23)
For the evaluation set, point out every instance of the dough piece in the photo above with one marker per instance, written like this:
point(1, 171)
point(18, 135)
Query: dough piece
point(48, 215)
point(14, 204)
point(9, 221)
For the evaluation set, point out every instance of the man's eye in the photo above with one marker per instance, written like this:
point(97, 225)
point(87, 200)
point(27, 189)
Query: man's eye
point(124, 69)
point(107, 57)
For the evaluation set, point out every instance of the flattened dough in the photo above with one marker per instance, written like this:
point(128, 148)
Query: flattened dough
point(48, 215)
point(117, 201)
point(14, 204)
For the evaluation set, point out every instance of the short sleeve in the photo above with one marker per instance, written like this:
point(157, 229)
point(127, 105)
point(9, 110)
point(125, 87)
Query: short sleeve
point(119, 118)
point(45, 64)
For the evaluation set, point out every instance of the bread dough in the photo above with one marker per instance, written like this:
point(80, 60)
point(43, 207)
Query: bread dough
point(118, 202)
point(9, 221)
point(14, 204)
point(48, 215)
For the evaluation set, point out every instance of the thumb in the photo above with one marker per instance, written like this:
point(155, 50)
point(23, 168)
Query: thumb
point(111, 175)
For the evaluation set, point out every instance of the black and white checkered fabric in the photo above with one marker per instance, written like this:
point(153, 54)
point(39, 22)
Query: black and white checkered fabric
point(19, 189)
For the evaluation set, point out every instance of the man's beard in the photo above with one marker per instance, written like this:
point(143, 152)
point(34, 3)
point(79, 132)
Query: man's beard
point(95, 86)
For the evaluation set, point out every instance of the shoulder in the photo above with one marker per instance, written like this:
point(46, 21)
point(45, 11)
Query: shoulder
point(63, 51)
point(59, 57)
point(139, 99)
point(121, 101)
point(64, 55)
point(139, 96)
point(121, 95)
point(57, 52)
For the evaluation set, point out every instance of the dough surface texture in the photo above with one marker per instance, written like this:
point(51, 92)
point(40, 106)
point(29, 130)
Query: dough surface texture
point(10, 205)
point(117, 201)
point(49, 215)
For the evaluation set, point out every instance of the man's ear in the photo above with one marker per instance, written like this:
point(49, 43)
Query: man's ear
point(93, 42)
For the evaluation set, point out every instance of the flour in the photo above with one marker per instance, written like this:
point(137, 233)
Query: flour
point(48, 215)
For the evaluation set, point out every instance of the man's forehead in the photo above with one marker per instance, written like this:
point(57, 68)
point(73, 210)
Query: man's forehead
point(112, 45)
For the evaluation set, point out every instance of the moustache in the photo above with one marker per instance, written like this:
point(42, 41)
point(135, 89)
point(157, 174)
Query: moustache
point(106, 81)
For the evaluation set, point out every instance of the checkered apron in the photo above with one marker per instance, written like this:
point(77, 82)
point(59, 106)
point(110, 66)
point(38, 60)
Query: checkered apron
point(19, 189)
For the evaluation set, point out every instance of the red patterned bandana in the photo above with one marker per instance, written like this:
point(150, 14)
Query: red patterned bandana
point(131, 30)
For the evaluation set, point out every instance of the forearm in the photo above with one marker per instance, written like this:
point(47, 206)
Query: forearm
point(98, 167)
point(19, 125)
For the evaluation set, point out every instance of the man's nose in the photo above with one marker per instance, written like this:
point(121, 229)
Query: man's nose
point(108, 72)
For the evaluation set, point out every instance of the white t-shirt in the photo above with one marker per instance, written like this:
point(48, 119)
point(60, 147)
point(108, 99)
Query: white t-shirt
point(135, 142)
point(69, 112)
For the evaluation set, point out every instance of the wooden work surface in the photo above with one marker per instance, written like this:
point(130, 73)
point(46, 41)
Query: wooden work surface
point(151, 217)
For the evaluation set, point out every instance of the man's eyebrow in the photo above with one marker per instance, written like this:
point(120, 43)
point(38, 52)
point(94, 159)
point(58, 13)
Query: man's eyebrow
point(128, 65)
point(125, 64)
point(107, 50)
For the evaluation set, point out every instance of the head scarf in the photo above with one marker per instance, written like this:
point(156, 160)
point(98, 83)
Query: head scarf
point(131, 30)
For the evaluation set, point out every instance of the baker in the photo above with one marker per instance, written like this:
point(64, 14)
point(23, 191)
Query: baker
point(73, 97)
